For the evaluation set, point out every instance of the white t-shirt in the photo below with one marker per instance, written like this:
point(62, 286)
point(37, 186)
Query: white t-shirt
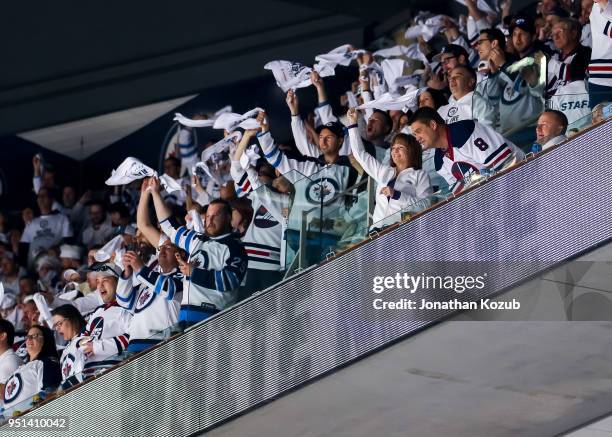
point(46, 231)
point(9, 362)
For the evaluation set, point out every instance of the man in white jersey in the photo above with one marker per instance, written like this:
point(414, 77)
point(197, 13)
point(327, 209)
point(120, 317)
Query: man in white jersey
point(49, 229)
point(600, 66)
point(9, 361)
point(462, 148)
point(465, 103)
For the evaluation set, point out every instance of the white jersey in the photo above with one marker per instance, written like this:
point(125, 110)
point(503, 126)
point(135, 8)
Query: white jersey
point(472, 106)
point(519, 103)
point(322, 185)
point(410, 185)
point(264, 236)
point(107, 327)
point(600, 67)
point(573, 100)
point(72, 362)
point(24, 383)
point(153, 298)
point(45, 231)
point(9, 362)
point(472, 147)
point(221, 264)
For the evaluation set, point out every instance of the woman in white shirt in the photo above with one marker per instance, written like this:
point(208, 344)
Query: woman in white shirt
point(401, 183)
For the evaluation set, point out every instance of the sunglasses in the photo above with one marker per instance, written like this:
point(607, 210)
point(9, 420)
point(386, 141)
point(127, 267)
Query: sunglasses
point(33, 336)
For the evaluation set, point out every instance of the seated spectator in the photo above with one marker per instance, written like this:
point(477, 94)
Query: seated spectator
point(70, 324)
point(551, 128)
point(401, 183)
point(9, 362)
point(462, 148)
point(40, 372)
point(101, 229)
point(49, 229)
point(465, 103)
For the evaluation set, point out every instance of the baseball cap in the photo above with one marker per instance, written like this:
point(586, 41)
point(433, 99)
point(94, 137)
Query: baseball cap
point(453, 49)
point(70, 251)
point(105, 269)
point(524, 23)
point(335, 127)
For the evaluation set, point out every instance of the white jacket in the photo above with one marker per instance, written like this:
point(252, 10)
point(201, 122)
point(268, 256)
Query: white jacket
point(410, 185)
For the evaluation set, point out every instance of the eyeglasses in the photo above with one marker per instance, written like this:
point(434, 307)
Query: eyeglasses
point(59, 323)
point(33, 336)
point(447, 60)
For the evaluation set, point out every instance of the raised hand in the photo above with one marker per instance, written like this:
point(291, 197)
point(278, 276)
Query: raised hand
point(292, 102)
point(352, 115)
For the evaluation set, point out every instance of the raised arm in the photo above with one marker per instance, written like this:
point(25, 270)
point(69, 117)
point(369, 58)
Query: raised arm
point(377, 170)
point(142, 215)
point(161, 209)
point(298, 129)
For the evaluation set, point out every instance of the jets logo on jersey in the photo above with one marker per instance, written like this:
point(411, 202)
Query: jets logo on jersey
point(13, 388)
point(67, 365)
point(96, 328)
point(452, 111)
point(145, 299)
point(322, 191)
point(44, 223)
point(462, 169)
point(263, 219)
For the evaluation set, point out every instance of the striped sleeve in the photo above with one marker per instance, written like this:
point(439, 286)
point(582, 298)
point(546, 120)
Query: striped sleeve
point(230, 276)
point(179, 235)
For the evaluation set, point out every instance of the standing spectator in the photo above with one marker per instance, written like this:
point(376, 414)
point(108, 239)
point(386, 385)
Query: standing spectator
point(566, 82)
point(465, 103)
point(401, 183)
point(217, 261)
point(100, 230)
point(600, 67)
point(462, 148)
point(49, 229)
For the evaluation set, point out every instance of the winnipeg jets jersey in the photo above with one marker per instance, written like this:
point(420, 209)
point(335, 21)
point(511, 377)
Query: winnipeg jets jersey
point(600, 67)
point(108, 328)
point(472, 146)
point(472, 106)
point(322, 185)
point(72, 363)
point(221, 264)
point(24, 383)
point(152, 297)
point(264, 236)
point(519, 103)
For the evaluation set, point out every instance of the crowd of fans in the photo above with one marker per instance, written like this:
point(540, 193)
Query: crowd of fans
point(85, 279)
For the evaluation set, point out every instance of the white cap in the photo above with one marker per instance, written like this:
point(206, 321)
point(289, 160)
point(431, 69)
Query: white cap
point(70, 251)
point(68, 273)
